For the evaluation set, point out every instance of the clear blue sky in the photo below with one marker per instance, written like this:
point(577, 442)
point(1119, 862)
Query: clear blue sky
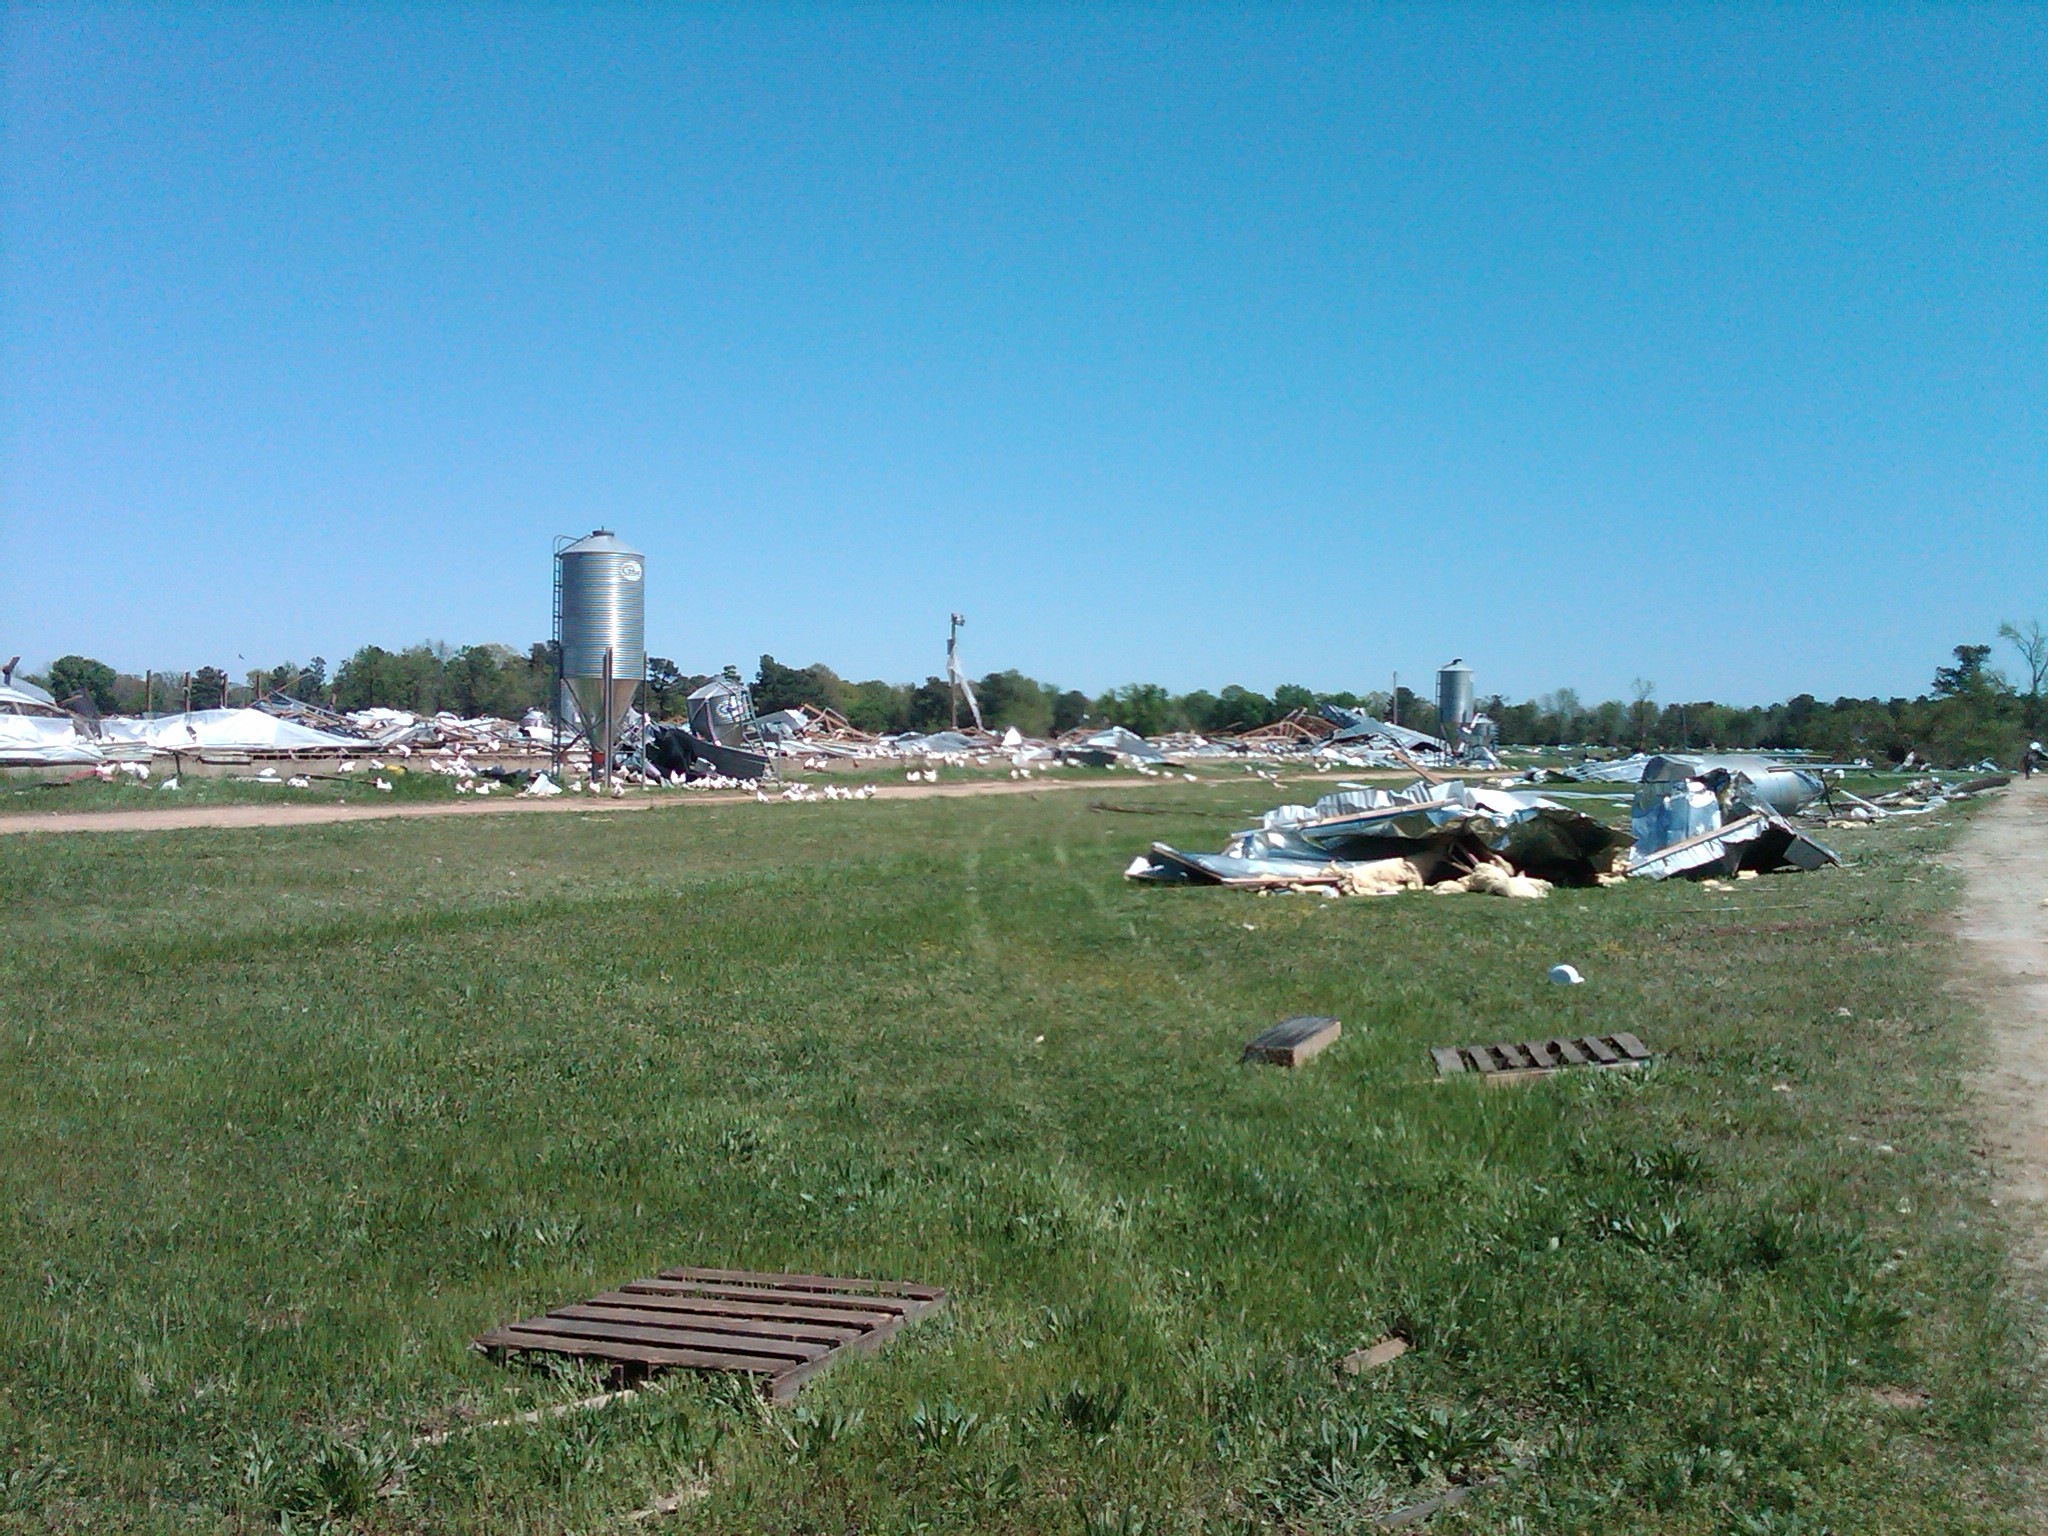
point(1186, 344)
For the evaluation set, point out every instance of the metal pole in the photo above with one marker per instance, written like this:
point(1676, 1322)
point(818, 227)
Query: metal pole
point(953, 673)
point(1394, 702)
point(607, 717)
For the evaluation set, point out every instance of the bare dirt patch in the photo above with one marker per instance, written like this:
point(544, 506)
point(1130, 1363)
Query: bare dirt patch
point(2004, 922)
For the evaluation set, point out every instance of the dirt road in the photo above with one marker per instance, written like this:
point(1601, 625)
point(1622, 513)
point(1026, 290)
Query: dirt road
point(173, 818)
point(2004, 921)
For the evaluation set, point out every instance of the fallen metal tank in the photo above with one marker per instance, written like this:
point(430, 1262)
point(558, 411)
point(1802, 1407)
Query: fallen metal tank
point(604, 609)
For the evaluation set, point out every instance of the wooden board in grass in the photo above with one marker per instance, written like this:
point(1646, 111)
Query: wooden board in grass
point(1517, 1060)
point(1293, 1041)
point(779, 1329)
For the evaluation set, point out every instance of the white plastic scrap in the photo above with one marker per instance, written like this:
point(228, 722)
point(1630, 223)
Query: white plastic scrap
point(541, 787)
point(1566, 975)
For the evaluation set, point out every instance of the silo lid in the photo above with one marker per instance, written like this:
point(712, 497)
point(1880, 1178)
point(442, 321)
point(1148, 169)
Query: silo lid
point(600, 542)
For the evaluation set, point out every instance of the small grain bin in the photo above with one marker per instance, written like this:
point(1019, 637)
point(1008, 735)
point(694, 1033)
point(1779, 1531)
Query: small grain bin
point(601, 633)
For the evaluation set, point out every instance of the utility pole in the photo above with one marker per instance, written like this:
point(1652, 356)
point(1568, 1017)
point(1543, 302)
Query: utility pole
point(953, 672)
point(1394, 702)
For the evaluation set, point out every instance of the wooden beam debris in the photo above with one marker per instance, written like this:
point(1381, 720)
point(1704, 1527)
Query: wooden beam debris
point(1293, 1041)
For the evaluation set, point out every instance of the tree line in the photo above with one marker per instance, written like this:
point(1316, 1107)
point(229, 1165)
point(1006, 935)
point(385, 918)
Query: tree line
point(1972, 710)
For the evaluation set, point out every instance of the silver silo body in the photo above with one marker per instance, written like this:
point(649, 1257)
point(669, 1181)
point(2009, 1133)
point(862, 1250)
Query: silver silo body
point(1453, 700)
point(604, 608)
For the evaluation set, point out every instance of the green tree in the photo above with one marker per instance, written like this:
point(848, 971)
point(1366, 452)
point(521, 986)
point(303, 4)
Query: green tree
point(1145, 708)
point(779, 687)
point(1289, 697)
point(2032, 644)
point(209, 688)
point(1238, 709)
point(71, 675)
point(664, 685)
point(1012, 699)
point(366, 680)
point(930, 706)
point(1967, 676)
point(1069, 710)
point(877, 707)
point(1642, 714)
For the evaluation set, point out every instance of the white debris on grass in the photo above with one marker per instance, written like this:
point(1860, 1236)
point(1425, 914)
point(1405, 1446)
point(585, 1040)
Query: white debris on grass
point(1493, 880)
point(1377, 877)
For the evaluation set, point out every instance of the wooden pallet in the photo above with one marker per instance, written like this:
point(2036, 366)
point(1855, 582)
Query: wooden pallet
point(1534, 1058)
point(781, 1328)
point(1292, 1041)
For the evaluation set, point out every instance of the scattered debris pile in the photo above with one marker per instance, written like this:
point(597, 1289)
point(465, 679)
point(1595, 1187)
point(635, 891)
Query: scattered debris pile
point(1720, 820)
point(1843, 809)
point(1364, 841)
point(1451, 838)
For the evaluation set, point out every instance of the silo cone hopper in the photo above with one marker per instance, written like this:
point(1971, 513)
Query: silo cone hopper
point(603, 634)
point(588, 695)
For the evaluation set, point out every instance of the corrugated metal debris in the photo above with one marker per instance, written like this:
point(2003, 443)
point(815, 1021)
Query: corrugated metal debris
point(1370, 841)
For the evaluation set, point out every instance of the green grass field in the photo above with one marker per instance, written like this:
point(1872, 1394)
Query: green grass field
point(286, 1117)
point(414, 783)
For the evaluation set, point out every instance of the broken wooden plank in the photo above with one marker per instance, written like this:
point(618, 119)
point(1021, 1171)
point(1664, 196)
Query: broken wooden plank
point(1293, 1041)
point(1373, 1356)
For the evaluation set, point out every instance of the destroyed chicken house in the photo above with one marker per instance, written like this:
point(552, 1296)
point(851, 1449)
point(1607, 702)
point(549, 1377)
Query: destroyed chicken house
point(1688, 816)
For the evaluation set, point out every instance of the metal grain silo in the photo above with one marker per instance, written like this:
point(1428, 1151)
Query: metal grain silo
point(601, 625)
point(1454, 709)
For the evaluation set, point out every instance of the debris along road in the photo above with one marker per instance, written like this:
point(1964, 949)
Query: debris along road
point(2004, 921)
point(178, 818)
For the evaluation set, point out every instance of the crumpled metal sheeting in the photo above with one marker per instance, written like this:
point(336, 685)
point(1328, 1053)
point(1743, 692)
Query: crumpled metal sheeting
point(1170, 866)
point(1441, 829)
point(1783, 787)
point(1116, 740)
point(1357, 725)
point(1671, 814)
point(1760, 839)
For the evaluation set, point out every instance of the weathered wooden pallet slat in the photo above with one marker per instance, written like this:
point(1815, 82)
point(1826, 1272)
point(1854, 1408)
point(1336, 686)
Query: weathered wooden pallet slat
point(784, 1328)
point(1510, 1060)
point(598, 1310)
point(864, 1288)
point(639, 1295)
point(1293, 1041)
point(896, 1305)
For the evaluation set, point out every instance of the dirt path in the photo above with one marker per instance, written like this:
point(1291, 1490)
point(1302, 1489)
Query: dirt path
point(2004, 920)
point(174, 818)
